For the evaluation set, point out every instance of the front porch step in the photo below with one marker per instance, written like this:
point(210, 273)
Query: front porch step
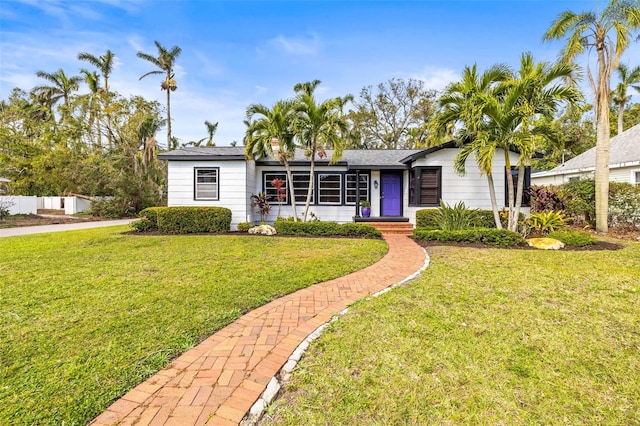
point(51, 211)
point(400, 228)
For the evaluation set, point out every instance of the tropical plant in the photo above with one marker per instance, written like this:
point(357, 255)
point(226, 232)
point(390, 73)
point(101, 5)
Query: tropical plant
point(545, 198)
point(319, 126)
point(261, 202)
point(455, 218)
point(104, 64)
point(268, 128)
point(608, 32)
point(211, 130)
point(546, 221)
point(628, 78)
point(165, 61)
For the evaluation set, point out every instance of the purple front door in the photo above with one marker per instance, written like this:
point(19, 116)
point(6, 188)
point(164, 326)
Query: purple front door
point(391, 195)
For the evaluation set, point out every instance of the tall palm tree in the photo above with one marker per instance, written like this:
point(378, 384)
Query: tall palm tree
point(628, 78)
point(463, 104)
point(104, 64)
point(147, 136)
point(265, 124)
point(165, 61)
point(319, 126)
point(91, 78)
point(211, 130)
point(61, 88)
point(608, 33)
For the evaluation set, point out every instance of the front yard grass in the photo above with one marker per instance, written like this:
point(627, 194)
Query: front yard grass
point(484, 336)
point(86, 315)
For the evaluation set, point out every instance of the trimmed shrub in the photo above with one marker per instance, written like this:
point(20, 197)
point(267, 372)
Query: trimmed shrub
point(326, 229)
point(573, 238)
point(244, 226)
point(484, 219)
point(187, 220)
point(151, 214)
point(492, 236)
point(624, 205)
point(427, 218)
point(142, 225)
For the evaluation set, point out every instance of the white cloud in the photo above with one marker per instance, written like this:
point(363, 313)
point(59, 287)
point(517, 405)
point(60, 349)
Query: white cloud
point(436, 78)
point(299, 46)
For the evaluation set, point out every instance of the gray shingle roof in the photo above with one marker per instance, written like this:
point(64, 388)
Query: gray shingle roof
point(204, 153)
point(624, 148)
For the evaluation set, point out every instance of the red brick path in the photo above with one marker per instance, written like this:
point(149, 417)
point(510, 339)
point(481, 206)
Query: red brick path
point(217, 382)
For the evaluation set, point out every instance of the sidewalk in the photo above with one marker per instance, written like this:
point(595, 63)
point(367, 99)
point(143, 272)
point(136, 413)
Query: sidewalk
point(28, 230)
point(218, 381)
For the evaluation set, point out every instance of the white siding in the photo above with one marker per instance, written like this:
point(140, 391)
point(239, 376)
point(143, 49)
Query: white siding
point(232, 180)
point(616, 174)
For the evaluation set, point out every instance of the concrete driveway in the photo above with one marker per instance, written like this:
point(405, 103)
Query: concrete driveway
point(26, 230)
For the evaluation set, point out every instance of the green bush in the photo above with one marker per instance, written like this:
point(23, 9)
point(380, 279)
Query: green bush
point(492, 236)
point(143, 224)
point(187, 220)
point(244, 226)
point(326, 229)
point(580, 196)
point(624, 205)
point(484, 219)
point(112, 208)
point(427, 218)
point(573, 238)
point(151, 214)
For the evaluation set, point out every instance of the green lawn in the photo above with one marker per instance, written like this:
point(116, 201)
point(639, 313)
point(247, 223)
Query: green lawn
point(487, 337)
point(86, 315)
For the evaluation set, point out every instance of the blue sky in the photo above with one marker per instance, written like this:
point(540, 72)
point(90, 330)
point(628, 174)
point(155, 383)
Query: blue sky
point(235, 53)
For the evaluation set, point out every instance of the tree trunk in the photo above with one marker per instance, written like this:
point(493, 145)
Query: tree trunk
point(519, 192)
point(310, 190)
point(168, 118)
point(620, 118)
point(292, 192)
point(494, 202)
point(510, 192)
point(602, 146)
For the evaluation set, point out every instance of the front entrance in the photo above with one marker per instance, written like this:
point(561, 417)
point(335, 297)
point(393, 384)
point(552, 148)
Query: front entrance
point(391, 194)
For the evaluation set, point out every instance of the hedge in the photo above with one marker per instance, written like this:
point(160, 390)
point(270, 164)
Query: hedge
point(184, 220)
point(428, 218)
point(326, 229)
point(492, 236)
point(573, 238)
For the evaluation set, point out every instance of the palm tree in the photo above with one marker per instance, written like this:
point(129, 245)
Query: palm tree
point(62, 88)
point(147, 135)
point(211, 129)
point(91, 78)
point(265, 125)
point(609, 33)
point(628, 78)
point(463, 103)
point(104, 64)
point(165, 61)
point(319, 126)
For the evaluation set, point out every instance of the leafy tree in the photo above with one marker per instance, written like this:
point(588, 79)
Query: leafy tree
point(628, 78)
point(165, 61)
point(104, 64)
point(393, 115)
point(265, 124)
point(608, 33)
point(319, 126)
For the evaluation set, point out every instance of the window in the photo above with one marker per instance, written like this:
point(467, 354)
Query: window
point(525, 190)
point(271, 190)
point(206, 184)
point(300, 187)
point(637, 175)
point(329, 188)
point(425, 186)
point(351, 188)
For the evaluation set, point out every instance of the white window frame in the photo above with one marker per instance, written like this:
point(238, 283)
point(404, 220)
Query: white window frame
point(197, 186)
point(364, 189)
point(332, 190)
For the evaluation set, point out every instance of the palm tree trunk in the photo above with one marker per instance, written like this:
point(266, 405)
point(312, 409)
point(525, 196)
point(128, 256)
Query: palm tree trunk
point(519, 192)
point(620, 118)
point(494, 202)
point(169, 118)
point(511, 192)
point(292, 192)
point(310, 190)
point(602, 147)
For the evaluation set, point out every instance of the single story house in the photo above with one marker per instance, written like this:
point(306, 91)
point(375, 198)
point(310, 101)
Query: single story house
point(624, 162)
point(396, 182)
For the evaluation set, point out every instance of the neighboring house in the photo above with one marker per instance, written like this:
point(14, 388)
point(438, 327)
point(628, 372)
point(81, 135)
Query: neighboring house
point(624, 162)
point(397, 182)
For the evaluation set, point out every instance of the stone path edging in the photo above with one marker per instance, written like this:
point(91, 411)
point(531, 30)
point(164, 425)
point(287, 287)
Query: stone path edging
point(282, 377)
point(219, 381)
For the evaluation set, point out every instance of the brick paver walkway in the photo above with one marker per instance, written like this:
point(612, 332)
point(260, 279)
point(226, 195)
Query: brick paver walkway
point(217, 382)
